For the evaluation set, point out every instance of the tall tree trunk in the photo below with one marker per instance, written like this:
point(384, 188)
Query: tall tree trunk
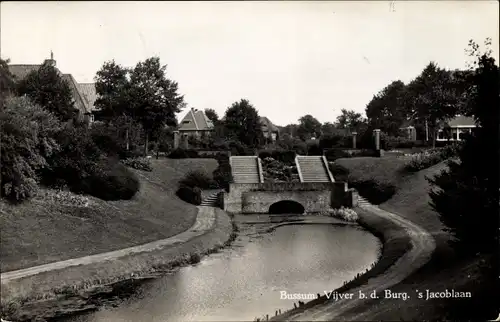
point(146, 142)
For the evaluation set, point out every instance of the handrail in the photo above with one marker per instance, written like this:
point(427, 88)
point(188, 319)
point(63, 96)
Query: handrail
point(259, 167)
point(298, 168)
point(325, 164)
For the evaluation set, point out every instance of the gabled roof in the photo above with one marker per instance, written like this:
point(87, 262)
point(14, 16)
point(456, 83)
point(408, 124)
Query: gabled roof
point(80, 101)
point(196, 120)
point(267, 125)
point(89, 93)
point(22, 70)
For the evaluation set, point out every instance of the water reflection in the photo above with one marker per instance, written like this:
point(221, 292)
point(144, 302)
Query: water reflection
point(245, 282)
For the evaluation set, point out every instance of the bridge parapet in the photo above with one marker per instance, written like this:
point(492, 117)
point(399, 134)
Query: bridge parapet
point(258, 197)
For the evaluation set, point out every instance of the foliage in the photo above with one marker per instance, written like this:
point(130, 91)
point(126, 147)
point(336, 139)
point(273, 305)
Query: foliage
point(212, 115)
point(386, 110)
point(328, 128)
point(190, 195)
point(339, 172)
point(111, 181)
point(183, 154)
point(336, 153)
point(333, 141)
point(375, 191)
point(466, 194)
point(278, 171)
point(313, 148)
point(223, 174)
point(285, 156)
point(346, 214)
point(242, 123)
point(7, 83)
point(389, 142)
point(47, 88)
point(308, 127)
point(432, 97)
point(349, 120)
point(142, 164)
point(28, 140)
point(198, 179)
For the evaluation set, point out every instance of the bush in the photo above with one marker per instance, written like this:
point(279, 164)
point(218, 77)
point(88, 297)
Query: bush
point(183, 154)
point(339, 172)
point(334, 154)
point(285, 156)
point(373, 191)
point(313, 149)
point(110, 181)
point(139, 164)
point(346, 214)
point(191, 195)
point(28, 141)
point(432, 157)
point(277, 171)
point(333, 141)
point(395, 142)
point(223, 174)
point(198, 179)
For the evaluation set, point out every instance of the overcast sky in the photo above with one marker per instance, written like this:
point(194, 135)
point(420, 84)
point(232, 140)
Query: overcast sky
point(288, 58)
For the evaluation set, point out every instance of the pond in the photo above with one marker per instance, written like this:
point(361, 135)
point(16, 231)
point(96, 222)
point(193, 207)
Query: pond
point(246, 281)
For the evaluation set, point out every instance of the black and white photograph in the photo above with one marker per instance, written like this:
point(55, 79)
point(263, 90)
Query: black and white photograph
point(185, 161)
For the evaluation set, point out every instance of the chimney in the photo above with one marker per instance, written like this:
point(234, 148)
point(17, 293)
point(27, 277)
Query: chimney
point(51, 61)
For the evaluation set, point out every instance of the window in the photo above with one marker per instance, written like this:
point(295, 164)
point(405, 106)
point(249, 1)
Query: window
point(185, 122)
point(441, 135)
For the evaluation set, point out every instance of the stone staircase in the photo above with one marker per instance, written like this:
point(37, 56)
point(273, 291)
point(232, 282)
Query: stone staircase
point(246, 169)
point(211, 200)
point(313, 169)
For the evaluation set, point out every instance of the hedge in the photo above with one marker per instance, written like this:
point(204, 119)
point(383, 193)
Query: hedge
point(191, 195)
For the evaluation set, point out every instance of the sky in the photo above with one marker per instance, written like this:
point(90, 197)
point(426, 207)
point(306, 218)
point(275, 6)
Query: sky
point(288, 59)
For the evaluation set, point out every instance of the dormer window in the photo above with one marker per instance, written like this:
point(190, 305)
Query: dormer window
point(185, 122)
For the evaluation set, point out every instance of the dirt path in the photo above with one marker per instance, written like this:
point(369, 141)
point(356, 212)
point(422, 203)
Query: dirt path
point(423, 245)
point(205, 220)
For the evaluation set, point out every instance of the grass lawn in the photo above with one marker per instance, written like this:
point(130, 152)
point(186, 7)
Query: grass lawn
point(39, 232)
point(444, 270)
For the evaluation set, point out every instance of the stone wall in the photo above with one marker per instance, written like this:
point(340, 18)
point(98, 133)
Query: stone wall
point(258, 197)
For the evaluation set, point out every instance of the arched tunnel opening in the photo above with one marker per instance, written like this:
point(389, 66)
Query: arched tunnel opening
point(286, 207)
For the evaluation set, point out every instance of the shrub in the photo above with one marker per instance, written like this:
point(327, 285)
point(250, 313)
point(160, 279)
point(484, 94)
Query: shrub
point(191, 195)
point(395, 142)
point(374, 191)
point(346, 214)
point(223, 174)
point(285, 156)
point(333, 141)
point(277, 171)
point(110, 181)
point(334, 154)
point(28, 140)
point(313, 149)
point(432, 157)
point(340, 173)
point(198, 179)
point(139, 164)
point(183, 153)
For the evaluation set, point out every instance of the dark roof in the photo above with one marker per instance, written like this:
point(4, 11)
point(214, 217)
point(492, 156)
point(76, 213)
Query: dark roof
point(21, 71)
point(267, 125)
point(89, 93)
point(80, 101)
point(196, 120)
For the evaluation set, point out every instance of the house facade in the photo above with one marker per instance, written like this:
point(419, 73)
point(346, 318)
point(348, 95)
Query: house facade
point(195, 124)
point(269, 130)
point(21, 71)
point(456, 128)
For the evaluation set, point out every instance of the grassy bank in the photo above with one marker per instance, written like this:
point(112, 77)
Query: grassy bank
point(84, 288)
point(43, 231)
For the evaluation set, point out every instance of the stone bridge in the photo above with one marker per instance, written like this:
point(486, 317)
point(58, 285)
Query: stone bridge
point(265, 198)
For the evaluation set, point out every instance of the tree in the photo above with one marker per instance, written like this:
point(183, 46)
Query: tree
point(308, 127)
point(432, 98)
point(467, 195)
point(349, 120)
point(212, 115)
point(28, 139)
point(47, 88)
point(291, 129)
point(7, 84)
point(112, 103)
point(242, 123)
point(154, 98)
point(327, 128)
point(386, 111)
